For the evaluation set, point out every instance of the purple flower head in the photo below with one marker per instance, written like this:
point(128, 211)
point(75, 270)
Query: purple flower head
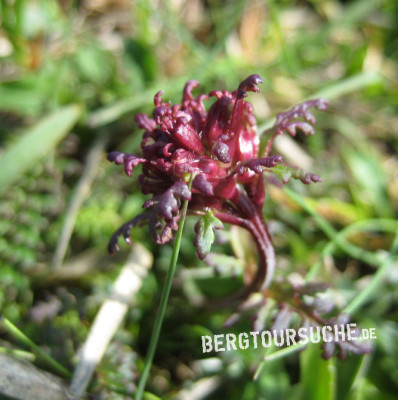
point(219, 150)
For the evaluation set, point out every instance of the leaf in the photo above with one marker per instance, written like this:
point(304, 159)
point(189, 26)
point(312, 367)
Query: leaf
point(204, 230)
point(93, 63)
point(318, 377)
point(369, 182)
point(23, 98)
point(150, 396)
point(35, 144)
point(347, 372)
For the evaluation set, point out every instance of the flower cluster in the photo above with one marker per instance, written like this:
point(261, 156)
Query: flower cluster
point(211, 159)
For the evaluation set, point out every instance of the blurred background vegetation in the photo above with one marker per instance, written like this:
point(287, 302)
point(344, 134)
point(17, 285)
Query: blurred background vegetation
point(72, 76)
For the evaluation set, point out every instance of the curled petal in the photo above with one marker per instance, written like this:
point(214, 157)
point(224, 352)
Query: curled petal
point(344, 347)
point(124, 230)
point(249, 85)
point(287, 172)
point(310, 177)
point(301, 126)
point(166, 149)
point(292, 121)
point(257, 164)
point(130, 161)
point(194, 107)
point(162, 116)
point(164, 165)
point(216, 93)
point(144, 122)
point(180, 189)
point(160, 231)
point(286, 121)
point(117, 157)
point(189, 86)
point(158, 100)
point(175, 111)
point(168, 202)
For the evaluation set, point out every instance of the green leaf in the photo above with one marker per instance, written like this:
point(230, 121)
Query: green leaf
point(347, 371)
point(150, 396)
point(370, 181)
point(35, 144)
point(94, 64)
point(318, 377)
point(204, 230)
point(367, 390)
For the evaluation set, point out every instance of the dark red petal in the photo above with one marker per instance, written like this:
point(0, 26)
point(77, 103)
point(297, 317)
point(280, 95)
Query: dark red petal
point(189, 86)
point(184, 135)
point(203, 185)
point(249, 85)
point(218, 121)
point(144, 122)
point(225, 188)
point(221, 151)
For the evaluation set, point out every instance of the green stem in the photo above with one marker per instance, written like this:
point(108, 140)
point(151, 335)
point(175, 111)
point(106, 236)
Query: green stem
point(260, 367)
point(16, 333)
point(162, 308)
point(364, 294)
point(385, 225)
point(286, 351)
point(24, 355)
point(289, 61)
point(374, 284)
point(352, 250)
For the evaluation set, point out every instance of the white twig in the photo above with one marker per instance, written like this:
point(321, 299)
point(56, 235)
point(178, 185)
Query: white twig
point(200, 389)
point(79, 195)
point(109, 317)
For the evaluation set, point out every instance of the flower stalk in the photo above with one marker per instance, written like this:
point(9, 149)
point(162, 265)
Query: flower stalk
point(163, 303)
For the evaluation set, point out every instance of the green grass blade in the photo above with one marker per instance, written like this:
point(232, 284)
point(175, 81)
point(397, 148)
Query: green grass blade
point(19, 335)
point(318, 377)
point(163, 304)
point(351, 84)
point(35, 144)
point(286, 351)
point(352, 250)
point(368, 225)
point(364, 295)
point(112, 112)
